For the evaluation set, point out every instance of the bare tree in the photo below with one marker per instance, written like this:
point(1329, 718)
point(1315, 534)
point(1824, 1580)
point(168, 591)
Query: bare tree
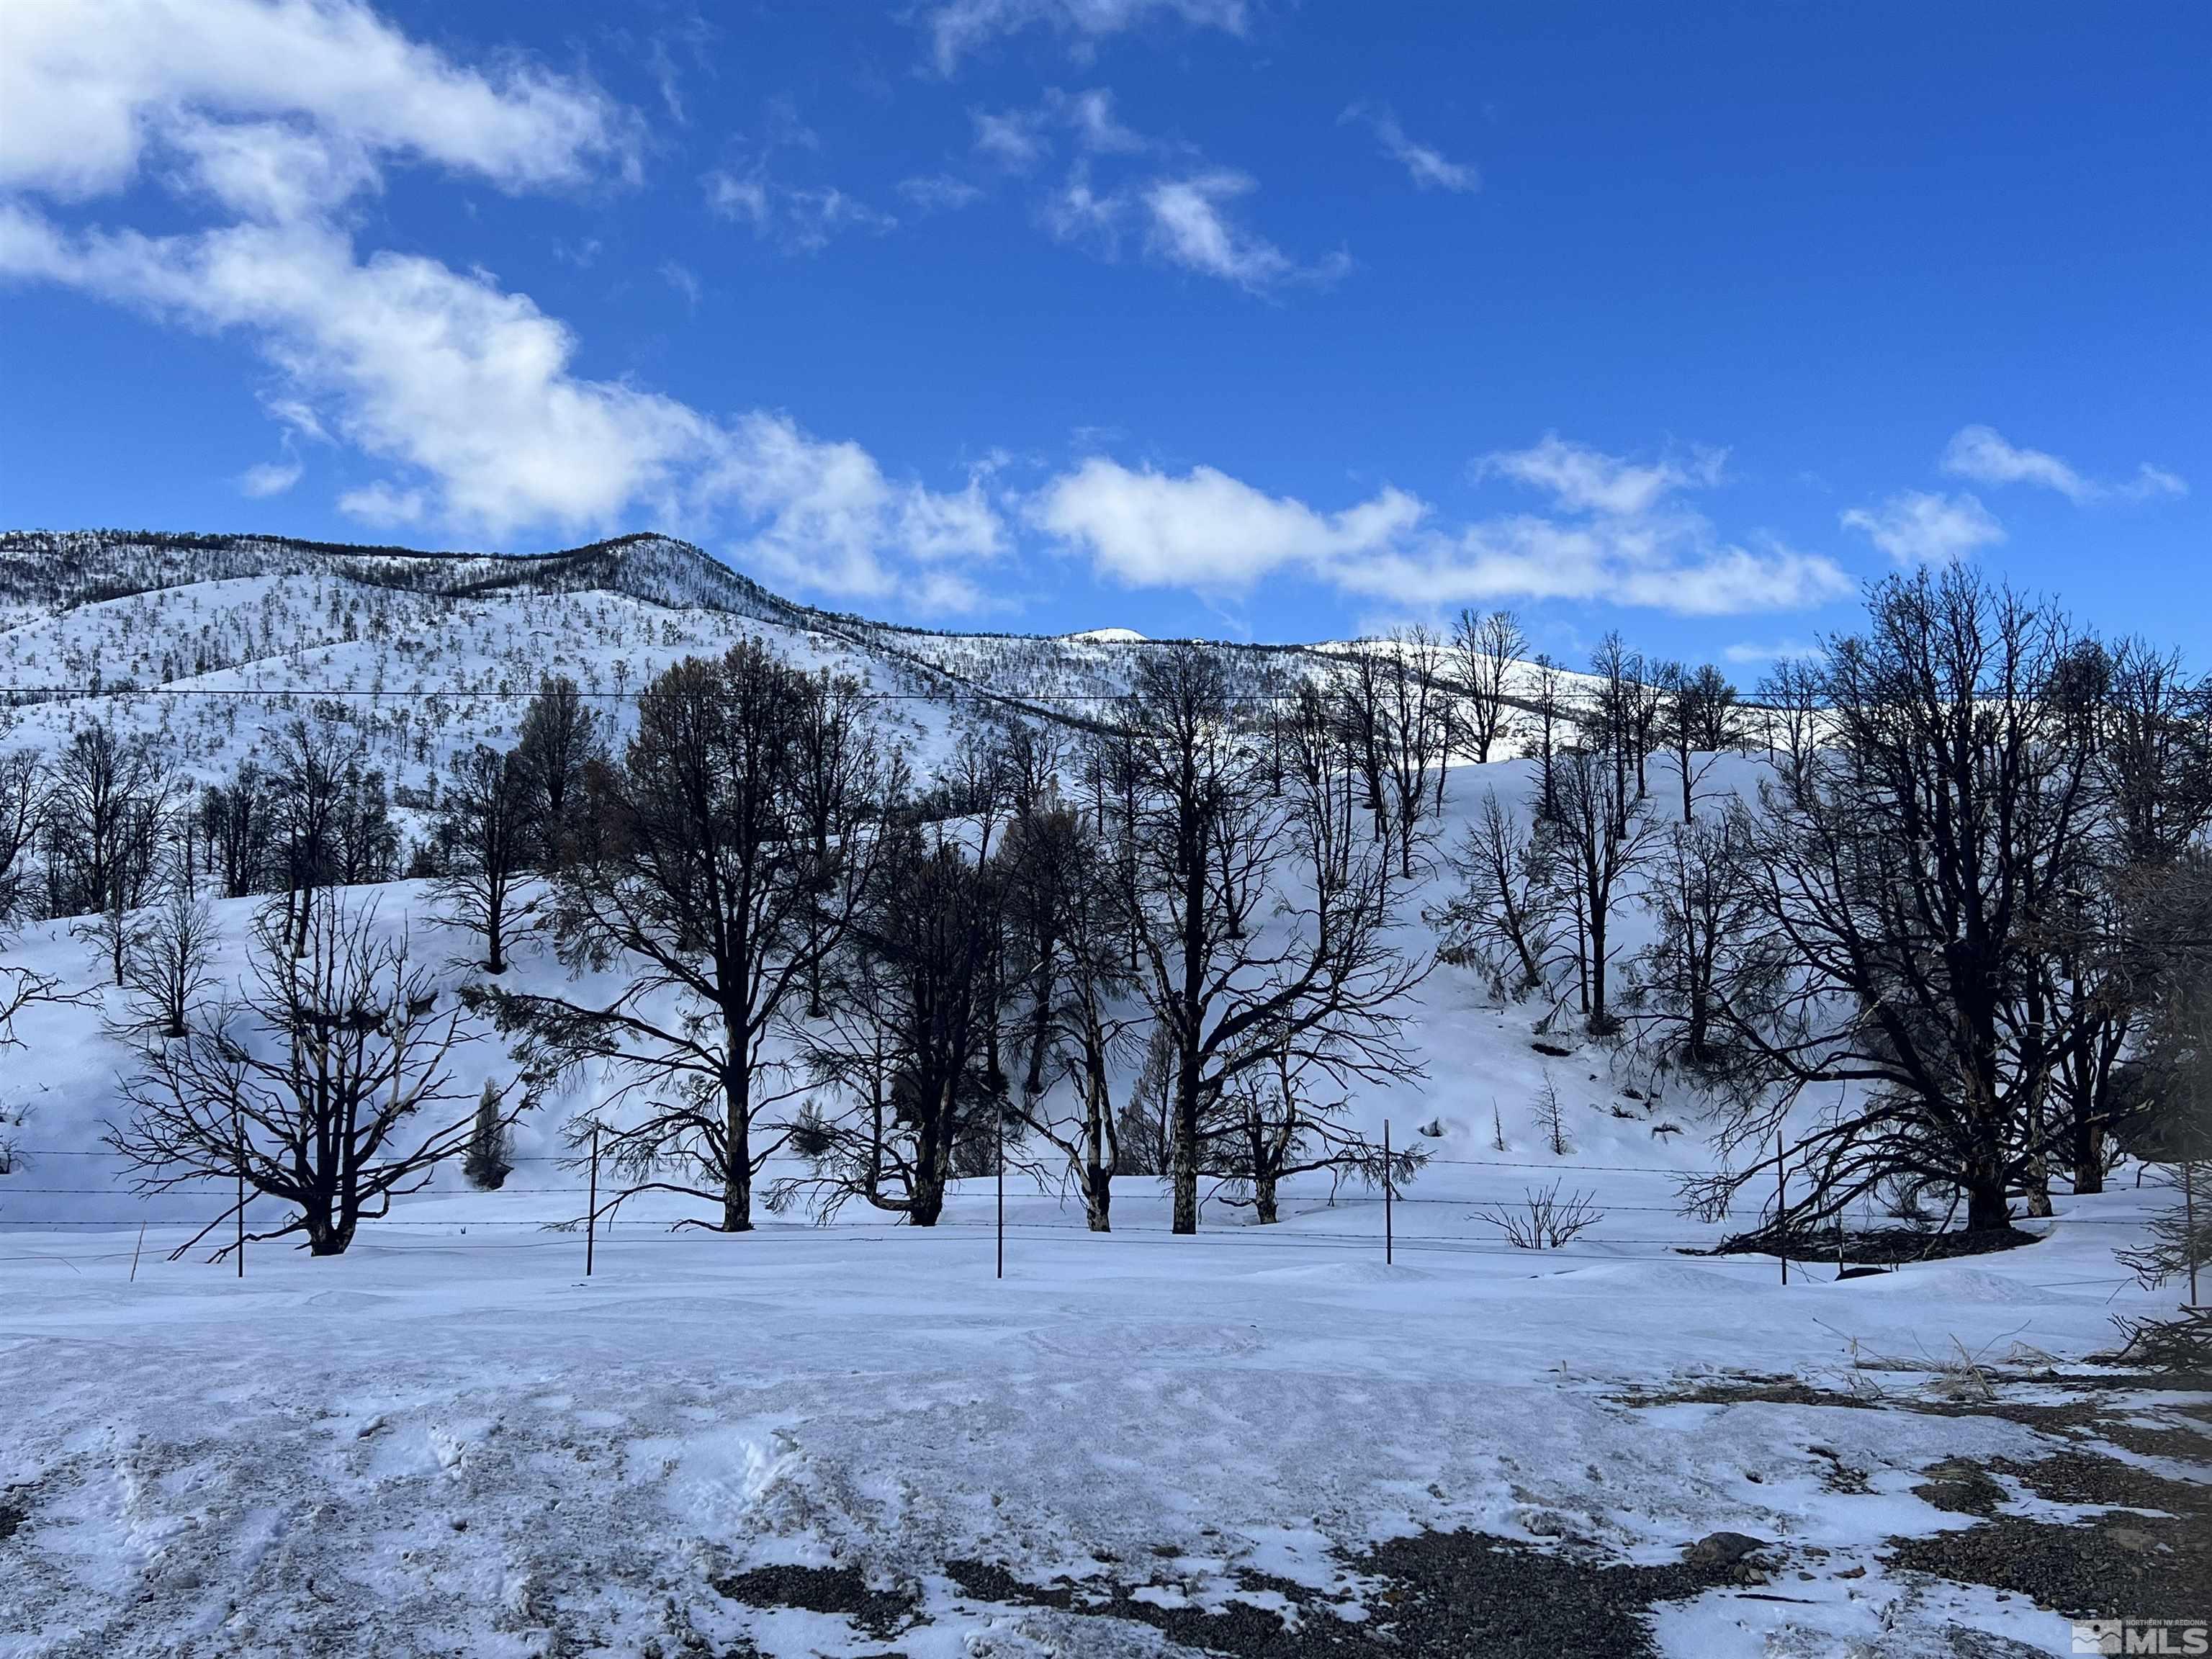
point(1506, 916)
point(705, 891)
point(1699, 892)
point(2173, 1125)
point(1695, 719)
point(106, 802)
point(834, 754)
point(22, 808)
point(1548, 703)
point(561, 736)
point(236, 826)
point(2109, 951)
point(1790, 694)
point(1415, 734)
point(1486, 648)
point(1613, 713)
point(310, 762)
point(1647, 703)
point(1280, 1126)
point(1362, 701)
point(311, 1088)
point(364, 843)
point(1714, 701)
point(22, 805)
point(907, 1040)
point(1063, 885)
point(487, 831)
point(1232, 966)
point(1601, 837)
point(1048, 850)
point(167, 970)
point(113, 933)
point(1907, 870)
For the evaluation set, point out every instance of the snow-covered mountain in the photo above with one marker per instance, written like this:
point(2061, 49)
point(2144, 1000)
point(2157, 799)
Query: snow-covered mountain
point(433, 651)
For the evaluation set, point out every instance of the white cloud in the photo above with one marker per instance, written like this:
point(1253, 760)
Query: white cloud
point(470, 388)
point(1980, 453)
point(1751, 653)
point(1428, 167)
point(465, 392)
point(960, 27)
point(684, 280)
point(382, 503)
point(739, 196)
point(269, 479)
point(1207, 531)
point(798, 219)
point(1190, 226)
point(89, 84)
point(1204, 529)
point(1013, 138)
point(2150, 480)
point(269, 171)
point(409, 360)
point(1983, 455)
point(1076, 213)
point(291, 413)
point(1018, 139)
point(829, 516)
point(939, 193)
point(1187, 216)
point(816, 215)
point(1585, 480)
point(1097, 130)
point(1916, 527)
point(1676, 565)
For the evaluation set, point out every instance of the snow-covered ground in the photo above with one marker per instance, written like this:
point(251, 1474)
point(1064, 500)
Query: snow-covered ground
point(450, 1441)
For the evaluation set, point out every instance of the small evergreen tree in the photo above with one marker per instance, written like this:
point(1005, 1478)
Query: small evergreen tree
point(1549, 1114)
point(487, 1163)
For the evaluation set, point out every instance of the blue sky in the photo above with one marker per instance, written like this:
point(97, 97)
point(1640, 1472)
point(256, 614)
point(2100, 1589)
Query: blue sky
point(1221, 316)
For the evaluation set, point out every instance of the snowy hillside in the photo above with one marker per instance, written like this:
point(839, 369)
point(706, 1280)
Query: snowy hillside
point(1376, 1427)
point(205, 640)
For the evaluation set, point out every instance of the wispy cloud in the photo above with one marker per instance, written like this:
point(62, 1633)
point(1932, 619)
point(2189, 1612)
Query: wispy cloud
point(382, 503)
point(269, 479)
point(1014, 138)
point(939, 193)
point(958, 28)
point(1586, 480)
point(1191, 224)
point(1983, 455)
point(1427, 166)
point(684, 279)
point(1019, 140)
point(1749, 654)
point(798, 219)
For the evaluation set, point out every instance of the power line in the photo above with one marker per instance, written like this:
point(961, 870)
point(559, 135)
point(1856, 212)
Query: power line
point(952, 693)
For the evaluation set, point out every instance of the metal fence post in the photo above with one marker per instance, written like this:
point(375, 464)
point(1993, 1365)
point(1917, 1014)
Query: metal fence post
point(1781, 1208)
point(591, 1207)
